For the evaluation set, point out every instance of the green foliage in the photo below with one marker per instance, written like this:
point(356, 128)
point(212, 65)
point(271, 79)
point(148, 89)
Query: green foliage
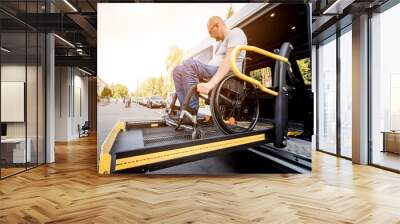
point(153, 86)
point(119, 91)
point(174, 57)
point(106, 92)
point(305, 69)
point(162, 84)
point(263, 75)
point(230, 12)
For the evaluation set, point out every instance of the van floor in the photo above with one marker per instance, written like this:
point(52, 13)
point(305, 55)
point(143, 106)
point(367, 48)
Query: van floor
point(70, 191)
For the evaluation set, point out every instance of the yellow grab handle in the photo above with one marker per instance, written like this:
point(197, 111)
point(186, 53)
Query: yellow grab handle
point(246, 78)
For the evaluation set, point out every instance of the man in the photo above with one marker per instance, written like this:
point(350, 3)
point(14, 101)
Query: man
point(190, 72)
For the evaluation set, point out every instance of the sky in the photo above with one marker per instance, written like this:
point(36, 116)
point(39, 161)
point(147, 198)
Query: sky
point(134, 38)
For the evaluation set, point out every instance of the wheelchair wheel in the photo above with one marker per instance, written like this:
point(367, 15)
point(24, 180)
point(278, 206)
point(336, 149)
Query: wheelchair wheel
point(234, 105)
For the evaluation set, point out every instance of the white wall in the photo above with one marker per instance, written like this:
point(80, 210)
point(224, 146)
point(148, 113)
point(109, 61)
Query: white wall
point(62, 82)
point(70, 83)
point(33, 126)
point(12, 73)
point(79, 117)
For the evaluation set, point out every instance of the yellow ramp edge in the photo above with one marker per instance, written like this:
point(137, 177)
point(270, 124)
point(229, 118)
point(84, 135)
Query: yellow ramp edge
point(105, 156)
point(140, 160)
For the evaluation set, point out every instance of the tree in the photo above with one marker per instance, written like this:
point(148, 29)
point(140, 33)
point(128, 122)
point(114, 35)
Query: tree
point(230, 12)
point(120, 91)
point(305, 70)
point(152, 86)
point(173, 59)
point(162, 84)
point(106, 92)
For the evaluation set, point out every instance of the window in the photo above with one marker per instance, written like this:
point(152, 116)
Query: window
point(385, 89)
point(305, 70)
point(346, 92)
point(23, 76)
point(327, 95)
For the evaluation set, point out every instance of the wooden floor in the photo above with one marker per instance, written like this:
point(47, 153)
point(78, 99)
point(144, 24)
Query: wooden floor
point(387, 159)
point(70, 191)
point(10, 171)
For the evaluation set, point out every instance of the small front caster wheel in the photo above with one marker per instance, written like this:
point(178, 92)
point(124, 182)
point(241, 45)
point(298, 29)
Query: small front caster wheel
point(197, 134)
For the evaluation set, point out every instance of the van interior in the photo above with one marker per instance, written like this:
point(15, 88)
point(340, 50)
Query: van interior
point(284, 23)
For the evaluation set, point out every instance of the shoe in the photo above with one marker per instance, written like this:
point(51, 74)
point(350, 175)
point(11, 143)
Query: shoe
point(205, 121)
point(173, 119)
point(187, 121)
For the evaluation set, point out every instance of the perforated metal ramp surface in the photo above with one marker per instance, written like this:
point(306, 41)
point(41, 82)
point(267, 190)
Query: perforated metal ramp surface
point(128, 140)
point(168, 135)
point(137, 138)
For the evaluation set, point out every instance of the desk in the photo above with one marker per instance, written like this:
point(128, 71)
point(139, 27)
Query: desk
point(18, 150)
point(391, 141)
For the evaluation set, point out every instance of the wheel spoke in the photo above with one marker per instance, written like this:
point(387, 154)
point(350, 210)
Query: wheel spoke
point(236, 105)
point(226, 98)
point(230, 89)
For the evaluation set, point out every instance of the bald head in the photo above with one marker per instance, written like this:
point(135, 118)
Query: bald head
point(215, 19)
point(217, 28)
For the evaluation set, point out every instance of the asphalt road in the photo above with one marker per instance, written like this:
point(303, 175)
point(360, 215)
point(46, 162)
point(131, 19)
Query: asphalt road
point(109, 113)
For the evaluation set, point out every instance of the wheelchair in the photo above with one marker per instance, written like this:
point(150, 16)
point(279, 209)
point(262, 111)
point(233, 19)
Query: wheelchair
point(234, 102)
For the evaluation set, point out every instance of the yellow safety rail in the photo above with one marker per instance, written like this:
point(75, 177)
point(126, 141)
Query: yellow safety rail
point(105, 156)
point(236, 52)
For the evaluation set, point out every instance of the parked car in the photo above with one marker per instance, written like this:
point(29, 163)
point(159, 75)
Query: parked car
point(146, 101)
point(138, 99)
point(156, 101)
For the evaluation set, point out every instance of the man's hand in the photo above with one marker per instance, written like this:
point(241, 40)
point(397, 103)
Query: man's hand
point(223, 69)
point(205, 88)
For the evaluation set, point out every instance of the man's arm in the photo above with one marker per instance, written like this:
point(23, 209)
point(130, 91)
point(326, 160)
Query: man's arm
point(222, 71)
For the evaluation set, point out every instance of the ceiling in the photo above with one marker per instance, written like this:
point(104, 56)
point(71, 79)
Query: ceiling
point(284, 23)
point(332, 15)
point(75, 23)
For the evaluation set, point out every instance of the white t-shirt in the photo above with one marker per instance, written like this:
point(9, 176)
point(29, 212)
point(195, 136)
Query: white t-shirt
point(234, 38)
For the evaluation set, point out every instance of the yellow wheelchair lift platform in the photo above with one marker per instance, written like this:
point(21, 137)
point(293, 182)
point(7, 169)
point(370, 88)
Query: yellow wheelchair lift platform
point(140, 147)
point(152, 145)
point(162, 147)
